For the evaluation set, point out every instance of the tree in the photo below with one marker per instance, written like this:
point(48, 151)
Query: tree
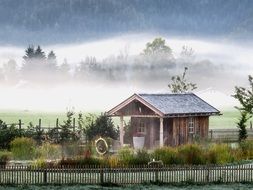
point(10, 71)
point(29, 53)
point(64, 70)
point(39, 54)
point(7, 134)
point(102, 126)
point(187, 53)
point(35, 132)
point(34, 63)
point(179, 84)
point(157, 47)
point(51, 61)
point(242, 126)
point(245, 98)
point(66, 134)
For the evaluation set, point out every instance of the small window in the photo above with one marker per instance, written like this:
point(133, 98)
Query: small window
point(141, 128)
point(191, 125)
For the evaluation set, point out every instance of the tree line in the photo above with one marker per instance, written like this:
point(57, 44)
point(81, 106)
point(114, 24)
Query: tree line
point(155, 61)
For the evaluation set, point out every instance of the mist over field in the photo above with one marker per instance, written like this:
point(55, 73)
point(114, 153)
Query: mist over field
point(99, 58)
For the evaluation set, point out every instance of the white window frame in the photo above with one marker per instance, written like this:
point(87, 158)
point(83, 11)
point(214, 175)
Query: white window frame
point(191, 125)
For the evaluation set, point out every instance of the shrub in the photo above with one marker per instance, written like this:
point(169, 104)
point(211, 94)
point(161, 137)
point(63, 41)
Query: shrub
point(70, 162)
point(140, 158)
point(101, 126)
point(167, 155)
point(220, 154)
point(5, 156)
point(23, 148)
point(246, 148)
point(42, 163)
point(72, 149)
point(113, 161)
point(192, 154)
point(126, 155)
point(49, 151)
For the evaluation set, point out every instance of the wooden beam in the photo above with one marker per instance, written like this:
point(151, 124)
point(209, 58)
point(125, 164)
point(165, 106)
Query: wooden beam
point(129, 100)
point(161, 132)
point(121, 131)
point(150, 116)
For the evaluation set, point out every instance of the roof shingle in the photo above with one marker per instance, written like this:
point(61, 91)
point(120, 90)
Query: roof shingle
point(179, 103)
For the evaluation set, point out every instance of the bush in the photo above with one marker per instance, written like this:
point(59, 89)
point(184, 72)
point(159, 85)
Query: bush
point(113, 161)
point(140, 158)
point(167, 155)
point(220, 154)
point(246, 148)
point(72, 149)
point(49, 151)
point(5, 156)
point(102, 126)
point(69, 162)
point(23, 148)
point(42, 163)
point(192, 154)
point(126, 155)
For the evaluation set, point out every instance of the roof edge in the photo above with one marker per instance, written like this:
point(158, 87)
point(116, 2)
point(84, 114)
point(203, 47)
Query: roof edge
point(130, 99)
point(218, 111)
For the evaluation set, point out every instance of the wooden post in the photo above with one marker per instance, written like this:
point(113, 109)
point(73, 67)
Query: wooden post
point(39, 124)
point(101, 175)
point(19, 126)
point(74, 124)
point(45, 176)
point(121, 131)
point(57, 123)
point(161, 132)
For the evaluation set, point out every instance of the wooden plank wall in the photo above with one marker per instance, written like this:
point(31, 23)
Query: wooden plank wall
point(181, 131)
point(135, 108)
point(176, 130)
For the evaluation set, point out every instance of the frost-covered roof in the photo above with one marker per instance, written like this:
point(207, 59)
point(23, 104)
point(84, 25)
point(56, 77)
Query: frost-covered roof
point(170, 104)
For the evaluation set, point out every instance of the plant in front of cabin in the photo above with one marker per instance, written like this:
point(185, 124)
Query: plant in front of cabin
point(23, 148)
point(191, 154)
point(167, 155)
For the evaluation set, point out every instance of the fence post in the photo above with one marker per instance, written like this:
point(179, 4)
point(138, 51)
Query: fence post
point(74, 124)
point(19, 126)
point(207, 176)
point(39, 124)
point(156, 174)
point(57, 123)
point(101, 175)
point(45, 176)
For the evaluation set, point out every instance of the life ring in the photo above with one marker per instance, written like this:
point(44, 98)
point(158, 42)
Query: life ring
point(101, 146)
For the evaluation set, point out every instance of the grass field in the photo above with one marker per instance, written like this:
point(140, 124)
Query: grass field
point(228, 118)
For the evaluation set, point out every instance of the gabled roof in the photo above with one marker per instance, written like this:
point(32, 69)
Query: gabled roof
point(171, 104)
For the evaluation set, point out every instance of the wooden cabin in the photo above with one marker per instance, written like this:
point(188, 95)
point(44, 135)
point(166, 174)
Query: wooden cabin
point(165, 119)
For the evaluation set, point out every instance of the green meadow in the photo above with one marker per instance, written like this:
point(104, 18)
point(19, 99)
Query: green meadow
point(228, 118)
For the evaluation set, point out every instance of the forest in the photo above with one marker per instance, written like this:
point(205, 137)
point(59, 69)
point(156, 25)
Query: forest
point(48, 21)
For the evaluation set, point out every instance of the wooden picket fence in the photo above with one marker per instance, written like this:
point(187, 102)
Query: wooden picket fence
point(125, 175)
